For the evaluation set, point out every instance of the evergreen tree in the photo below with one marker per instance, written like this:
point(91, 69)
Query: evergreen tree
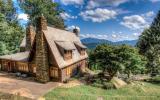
point(149, 45)
point(11, 33)
point(48, 8)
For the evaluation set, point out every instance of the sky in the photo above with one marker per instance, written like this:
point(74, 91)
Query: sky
point(114, 20)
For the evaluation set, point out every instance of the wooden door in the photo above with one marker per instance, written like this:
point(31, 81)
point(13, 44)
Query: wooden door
point(53, 72)
point(9, 67)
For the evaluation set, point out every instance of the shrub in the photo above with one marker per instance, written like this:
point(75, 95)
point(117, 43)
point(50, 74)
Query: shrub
point(108, 85)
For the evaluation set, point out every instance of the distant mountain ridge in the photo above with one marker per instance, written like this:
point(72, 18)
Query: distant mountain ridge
point(93, 42)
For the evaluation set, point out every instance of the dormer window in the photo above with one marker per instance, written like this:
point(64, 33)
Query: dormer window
point(66, 49)
point(67, 54)
point(83, 51)
point(81, 48)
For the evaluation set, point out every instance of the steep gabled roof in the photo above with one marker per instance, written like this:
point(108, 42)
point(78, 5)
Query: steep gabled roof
point(53, 35)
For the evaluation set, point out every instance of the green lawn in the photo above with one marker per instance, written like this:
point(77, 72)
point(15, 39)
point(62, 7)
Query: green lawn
point(138, 91)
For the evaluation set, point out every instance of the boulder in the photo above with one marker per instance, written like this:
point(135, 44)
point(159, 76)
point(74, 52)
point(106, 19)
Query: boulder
point(118, 82)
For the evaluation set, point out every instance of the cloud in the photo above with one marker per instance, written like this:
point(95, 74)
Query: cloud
point(154, 1)
point(134, 22)
point(66, 16)
point(72, 2)
point(148, 14)
point(23, 16)
point(138, 22)
point(136, 34)
point(98, 36)
point(112, 37)
point(70, 28)
point(101, 3)
point(98, 15)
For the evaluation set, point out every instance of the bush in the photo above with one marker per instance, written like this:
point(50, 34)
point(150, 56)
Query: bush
point(97, 85)
point(108, 85)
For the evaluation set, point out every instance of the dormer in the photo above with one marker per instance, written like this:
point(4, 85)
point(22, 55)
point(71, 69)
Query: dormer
point(66, 49)
point(81, 48)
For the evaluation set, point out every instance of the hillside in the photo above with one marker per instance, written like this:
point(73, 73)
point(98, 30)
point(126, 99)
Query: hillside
point(93, 42)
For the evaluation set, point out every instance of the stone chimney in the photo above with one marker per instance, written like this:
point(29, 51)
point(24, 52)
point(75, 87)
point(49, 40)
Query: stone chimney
point(76, 31)
point(42, 74)
point(30, 34)
point(41, 23)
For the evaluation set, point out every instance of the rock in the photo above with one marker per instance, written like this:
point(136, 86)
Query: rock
point(118, 82)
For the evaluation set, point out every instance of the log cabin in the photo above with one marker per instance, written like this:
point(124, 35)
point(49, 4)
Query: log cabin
point(48, 54)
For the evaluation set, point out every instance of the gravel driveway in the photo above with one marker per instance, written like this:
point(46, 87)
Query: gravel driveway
point(24, 87)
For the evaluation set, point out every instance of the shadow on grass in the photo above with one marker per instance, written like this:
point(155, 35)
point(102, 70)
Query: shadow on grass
point(154, 80)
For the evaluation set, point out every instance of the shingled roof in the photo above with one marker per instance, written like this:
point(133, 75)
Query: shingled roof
point(22, 56)
point(66, 45)
point(65, 39)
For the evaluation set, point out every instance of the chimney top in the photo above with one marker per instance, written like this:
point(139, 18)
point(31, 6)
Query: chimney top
point(41, 23)
point(76, 31)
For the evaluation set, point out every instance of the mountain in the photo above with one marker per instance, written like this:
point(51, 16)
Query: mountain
point(93, 42)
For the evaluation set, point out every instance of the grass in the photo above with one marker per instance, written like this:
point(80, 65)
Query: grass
point(138, 91)
point(6, 96)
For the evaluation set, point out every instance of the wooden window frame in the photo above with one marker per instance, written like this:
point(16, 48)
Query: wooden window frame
point(54, 72)
point(68, 71)
point(23, 67)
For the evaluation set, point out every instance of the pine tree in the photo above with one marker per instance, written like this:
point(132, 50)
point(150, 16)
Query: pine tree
point(48, 8)
point(149, 45)
point(11, 33)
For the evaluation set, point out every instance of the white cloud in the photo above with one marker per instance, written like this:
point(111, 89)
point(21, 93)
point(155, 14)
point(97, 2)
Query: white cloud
point(66, 16)
point(70, 28)
point(72, 2)
point(138, 22)
point(136, 34)
point(135, 22)
point(154, 1)
point(23, 16)
point(98, 36)
point(148, 14)
point(98, 15)
point(101, 3)
point(112, 37)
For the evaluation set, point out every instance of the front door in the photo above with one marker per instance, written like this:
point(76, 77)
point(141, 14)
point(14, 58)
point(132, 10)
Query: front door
point(9, 67)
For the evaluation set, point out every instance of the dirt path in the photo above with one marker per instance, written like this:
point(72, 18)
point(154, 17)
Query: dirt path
point(24, 88)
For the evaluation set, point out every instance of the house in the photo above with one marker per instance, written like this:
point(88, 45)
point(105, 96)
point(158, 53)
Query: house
point(48, 54)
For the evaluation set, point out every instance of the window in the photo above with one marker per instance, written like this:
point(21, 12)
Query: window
point(82, 52)
point(54, 72)
point(23, 67)
point(67, 54)
point(68, 71)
